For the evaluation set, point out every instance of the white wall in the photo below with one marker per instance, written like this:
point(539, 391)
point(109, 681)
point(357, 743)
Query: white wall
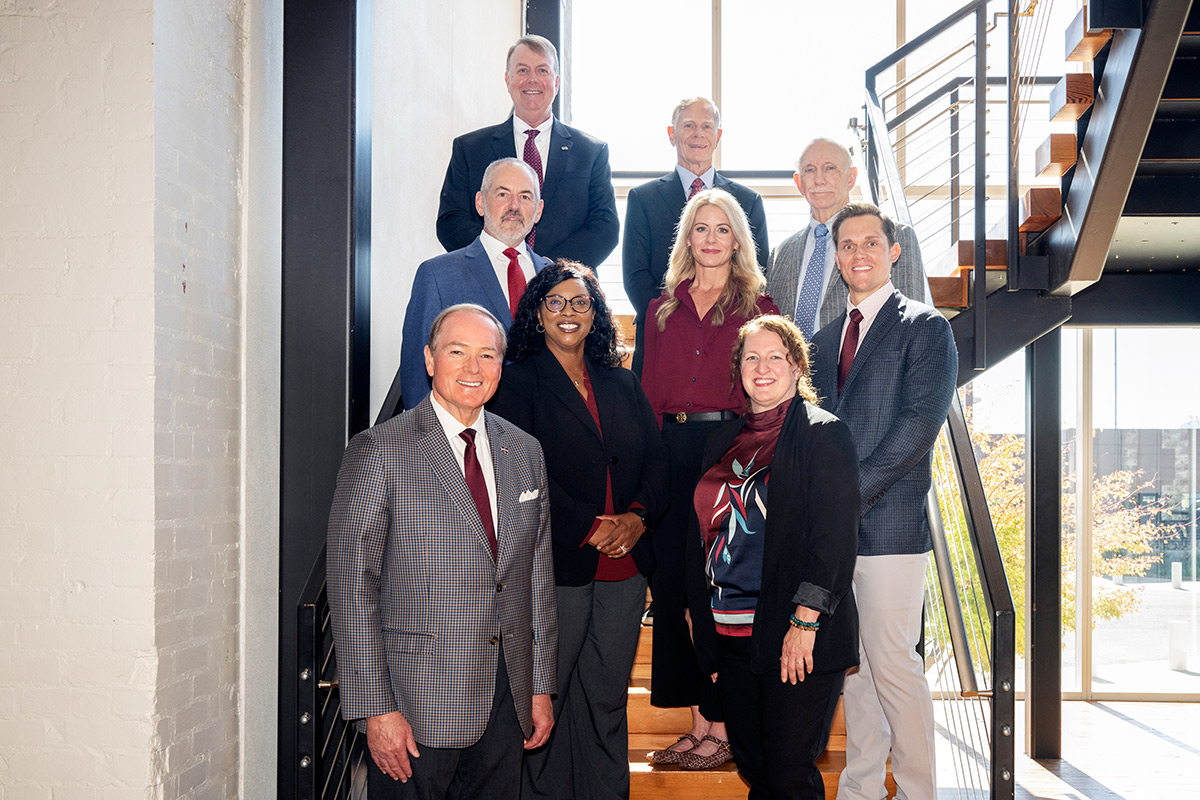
point(438, 73)
point(128, 141)
point(78, 664)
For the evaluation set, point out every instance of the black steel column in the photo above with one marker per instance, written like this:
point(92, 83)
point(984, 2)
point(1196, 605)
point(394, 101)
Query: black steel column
point(326, 296)
point(547, 18)
point(1043, 515)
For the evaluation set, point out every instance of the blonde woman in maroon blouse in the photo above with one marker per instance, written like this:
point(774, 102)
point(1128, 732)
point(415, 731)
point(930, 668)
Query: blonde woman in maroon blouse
point(713, 285)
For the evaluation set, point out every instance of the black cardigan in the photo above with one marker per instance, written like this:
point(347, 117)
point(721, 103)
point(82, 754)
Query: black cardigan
point(537, 396)
point(811, 537)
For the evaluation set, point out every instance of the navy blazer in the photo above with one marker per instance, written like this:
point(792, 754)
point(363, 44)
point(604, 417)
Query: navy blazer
point(537, 396)
point(461, 276)
point(579, 220)
point(809, 543)
point(895, 400)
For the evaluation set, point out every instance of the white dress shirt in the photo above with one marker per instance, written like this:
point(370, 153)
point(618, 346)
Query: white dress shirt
point(541, 141)
point(483, 451)
point(495, 250)
point(869, 308)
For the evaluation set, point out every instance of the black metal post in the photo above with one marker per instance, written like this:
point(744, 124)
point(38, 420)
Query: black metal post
point(1043, 513)
point(546, 18)
point(955, 166)
point(979, 270)
point(1013, 109)
point(326, 298)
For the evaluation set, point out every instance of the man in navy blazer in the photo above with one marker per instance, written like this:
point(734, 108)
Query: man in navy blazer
point(509, 202)
point(886, 367)
point(580, 220)
point(653, 210)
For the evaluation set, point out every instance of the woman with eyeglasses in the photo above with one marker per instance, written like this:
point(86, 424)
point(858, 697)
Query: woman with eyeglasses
point(713, 285)
point(608, 483)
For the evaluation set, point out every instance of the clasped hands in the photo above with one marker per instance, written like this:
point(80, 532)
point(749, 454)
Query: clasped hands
point(617, 534)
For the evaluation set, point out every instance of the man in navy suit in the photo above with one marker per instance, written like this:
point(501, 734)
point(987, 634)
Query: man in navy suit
point(886, 367)
point(654, 207)
point(490, 271)
point(580, 221)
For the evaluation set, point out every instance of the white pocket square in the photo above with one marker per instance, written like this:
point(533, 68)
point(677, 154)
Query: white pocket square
point(528, 494)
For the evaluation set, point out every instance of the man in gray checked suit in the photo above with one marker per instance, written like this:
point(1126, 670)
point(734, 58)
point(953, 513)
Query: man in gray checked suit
point(802, 276)
point(887, 368)
point(441, 585)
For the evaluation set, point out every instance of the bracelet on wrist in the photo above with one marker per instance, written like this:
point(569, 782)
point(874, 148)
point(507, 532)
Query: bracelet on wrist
point(804, 626)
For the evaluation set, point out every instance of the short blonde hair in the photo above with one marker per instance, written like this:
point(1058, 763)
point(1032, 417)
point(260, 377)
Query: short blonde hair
point(746, 281)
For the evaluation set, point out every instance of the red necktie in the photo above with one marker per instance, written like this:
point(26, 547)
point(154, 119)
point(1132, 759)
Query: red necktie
point(849, 347)
point(478, 487)
point(516, 280)
point(697, 186)
point(534, 159)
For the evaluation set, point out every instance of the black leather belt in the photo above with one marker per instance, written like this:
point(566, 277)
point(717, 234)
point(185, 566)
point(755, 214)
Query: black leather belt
point(682, 418)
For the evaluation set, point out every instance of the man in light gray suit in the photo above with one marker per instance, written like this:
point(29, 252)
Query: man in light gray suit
point(441, 585)
point(886, 366)
point(802, 277)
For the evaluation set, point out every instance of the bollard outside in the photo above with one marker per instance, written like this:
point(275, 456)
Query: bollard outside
point(1177, 645)
point(1176, 574)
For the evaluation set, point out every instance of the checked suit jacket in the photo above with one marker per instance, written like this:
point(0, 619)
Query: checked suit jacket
point(783, 275)
point(419, 607)
point(895, 400)
point(579, 220)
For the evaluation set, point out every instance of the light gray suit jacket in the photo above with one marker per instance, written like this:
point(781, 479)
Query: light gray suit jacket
point(418, 605)
point(783, 275)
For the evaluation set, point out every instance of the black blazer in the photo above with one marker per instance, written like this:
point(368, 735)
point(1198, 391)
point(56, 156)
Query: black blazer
point(811, 538)
point(537, 396)
point(579, 220)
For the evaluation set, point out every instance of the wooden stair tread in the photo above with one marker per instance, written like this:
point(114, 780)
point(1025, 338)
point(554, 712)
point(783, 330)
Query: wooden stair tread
point(950, 291)
point(1083, 44)
point(1071, 96)
point(1056, 155)
point(1041, 207)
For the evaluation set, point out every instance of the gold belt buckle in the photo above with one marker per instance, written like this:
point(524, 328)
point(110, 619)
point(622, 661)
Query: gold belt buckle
point(681, 417)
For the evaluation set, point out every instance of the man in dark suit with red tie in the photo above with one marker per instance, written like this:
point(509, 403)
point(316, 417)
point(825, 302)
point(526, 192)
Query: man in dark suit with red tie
point(580, 218)
point(654, 207)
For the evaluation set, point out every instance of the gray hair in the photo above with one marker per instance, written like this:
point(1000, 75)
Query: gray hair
point(489, 175)
point(687, 101)
point(825, 140)
point(435, 330)
point(538, 44)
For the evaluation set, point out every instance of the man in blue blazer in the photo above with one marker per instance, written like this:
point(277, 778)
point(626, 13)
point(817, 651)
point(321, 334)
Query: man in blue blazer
point(886, 367)
point(652, 213)
point(441, 582)
point(480, 273)
point(580, 221)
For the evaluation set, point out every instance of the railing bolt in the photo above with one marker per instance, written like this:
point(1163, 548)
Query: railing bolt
point(1006, 686)
point(305, 717)
point(305, 762)
point(305, 674)
point(1006, 775)
point(1005, 730)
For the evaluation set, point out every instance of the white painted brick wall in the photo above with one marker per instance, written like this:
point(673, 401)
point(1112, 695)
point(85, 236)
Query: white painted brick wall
point(77, 663)
point(120, 148)
point(199, 46)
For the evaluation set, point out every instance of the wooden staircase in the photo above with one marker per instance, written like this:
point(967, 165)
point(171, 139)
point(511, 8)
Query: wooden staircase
point(652, 728)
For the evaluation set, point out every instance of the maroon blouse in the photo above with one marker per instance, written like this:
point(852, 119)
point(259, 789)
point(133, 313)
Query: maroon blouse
point(686, 366)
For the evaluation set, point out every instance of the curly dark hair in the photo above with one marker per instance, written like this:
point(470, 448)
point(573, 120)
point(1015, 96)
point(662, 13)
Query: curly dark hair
point(603, 341)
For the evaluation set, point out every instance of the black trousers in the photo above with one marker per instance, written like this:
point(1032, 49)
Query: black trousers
point(490, 769)
point(777, 730)
point(675, 678)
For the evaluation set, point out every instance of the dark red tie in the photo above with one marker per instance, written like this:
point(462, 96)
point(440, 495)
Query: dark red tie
point(697, 186)
point(534, 159)
point(516, 280)
point(478, 487)
point(849, 347)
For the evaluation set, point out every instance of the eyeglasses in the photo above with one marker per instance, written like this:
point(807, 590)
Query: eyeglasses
point(556, 303)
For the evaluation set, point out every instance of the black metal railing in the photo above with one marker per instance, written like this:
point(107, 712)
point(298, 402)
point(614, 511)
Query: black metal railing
point(330, 751)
